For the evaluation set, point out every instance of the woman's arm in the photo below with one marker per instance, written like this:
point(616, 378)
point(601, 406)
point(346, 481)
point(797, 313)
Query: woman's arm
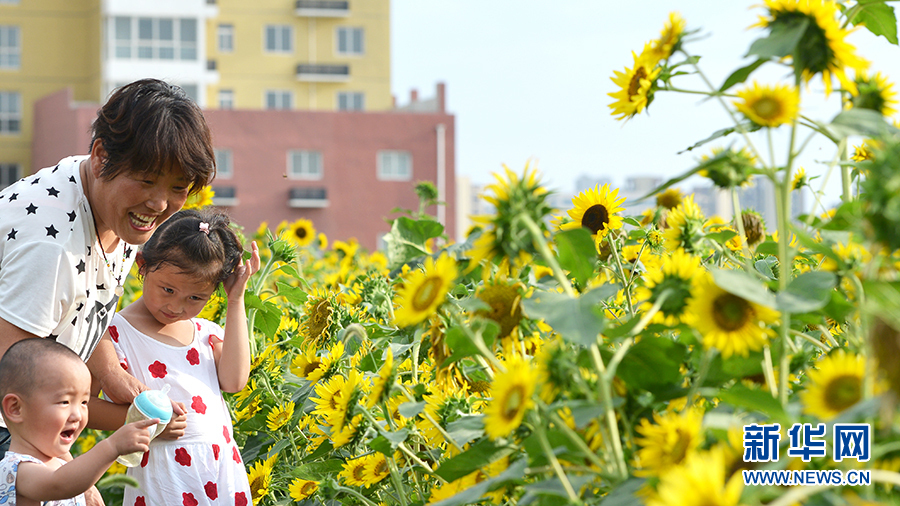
point(42, 483)
point(119, 386)
point(233, 355)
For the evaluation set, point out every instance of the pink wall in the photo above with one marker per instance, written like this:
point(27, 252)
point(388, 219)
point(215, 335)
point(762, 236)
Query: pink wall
point(259, 140)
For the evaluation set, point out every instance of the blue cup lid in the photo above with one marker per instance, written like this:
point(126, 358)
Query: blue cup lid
point(154, 404)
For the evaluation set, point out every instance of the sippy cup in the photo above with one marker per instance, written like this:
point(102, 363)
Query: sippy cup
point(148, 404)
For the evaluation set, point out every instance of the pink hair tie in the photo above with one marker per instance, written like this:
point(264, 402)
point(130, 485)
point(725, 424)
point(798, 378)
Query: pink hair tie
point(204, 227)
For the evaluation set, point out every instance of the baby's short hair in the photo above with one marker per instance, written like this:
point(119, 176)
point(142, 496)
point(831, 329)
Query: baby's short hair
point(23, 363)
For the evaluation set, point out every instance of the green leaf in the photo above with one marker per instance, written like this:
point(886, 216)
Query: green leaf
point(411, 409)
point(736, 366)
point(626, 494)
point(317, 471)
point(740, 75)
point(513, 473)
point(764, 266)
point(462, 344)
point(290, 271)
point(721, 237)
point(878, 18)
point(293, 294)
point(387, 442)
point(554, 487)
point(856, 121)
point(584, 411)
point(809, 291)
point(478, 455)
point(466, 429)
point(407, 239)
point(743, 285)
point(782, 39)
point(652, 362)
point(632, 221)
point(578, 320)
point(577, 253)
point(748, 126)
point(754, 400)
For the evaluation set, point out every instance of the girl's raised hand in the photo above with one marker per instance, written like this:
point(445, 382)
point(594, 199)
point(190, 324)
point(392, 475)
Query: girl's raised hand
point(237, 282)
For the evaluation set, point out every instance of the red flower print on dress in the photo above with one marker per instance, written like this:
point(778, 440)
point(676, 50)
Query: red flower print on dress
point(226, 434)
point(216, 451)
point(211, 491)
point(240, 499)
point(157, 369)
point(213, 339)
point(198, 326)
point(145, 458)
point(198, 404)
point(183, 457)
point(235, 454)
point(139, 501)
point(124, 363)
point(188, 499)
point(193, 356)
point(114, 333)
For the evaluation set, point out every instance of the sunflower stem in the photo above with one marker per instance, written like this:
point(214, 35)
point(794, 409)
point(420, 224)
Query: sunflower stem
point(538, 239)
point(395, 478)
point(769, 371)
point(575, 438)
point(742, 234)
point(705, 361)
point(615, 253)
point(812, 340)
point(606, 398)
point(828, 337)
point(548, 451)
point(354, 493)
point(447, 437)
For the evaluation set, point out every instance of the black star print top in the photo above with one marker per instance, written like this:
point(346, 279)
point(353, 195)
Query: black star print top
point(53, 278)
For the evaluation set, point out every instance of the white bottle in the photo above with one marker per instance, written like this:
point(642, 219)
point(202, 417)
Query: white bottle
point(147, 405)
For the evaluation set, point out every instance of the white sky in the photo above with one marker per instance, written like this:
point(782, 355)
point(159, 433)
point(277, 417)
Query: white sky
point(529, 79)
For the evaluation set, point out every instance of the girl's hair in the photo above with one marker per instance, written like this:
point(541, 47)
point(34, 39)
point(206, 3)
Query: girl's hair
point(200, 243)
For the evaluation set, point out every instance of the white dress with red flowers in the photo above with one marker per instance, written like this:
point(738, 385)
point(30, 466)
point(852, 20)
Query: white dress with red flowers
point(204, 466)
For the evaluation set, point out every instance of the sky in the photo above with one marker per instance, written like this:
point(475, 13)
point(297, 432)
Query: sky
point(528, 81)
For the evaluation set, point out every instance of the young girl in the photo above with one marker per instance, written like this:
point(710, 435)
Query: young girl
point(160, 342)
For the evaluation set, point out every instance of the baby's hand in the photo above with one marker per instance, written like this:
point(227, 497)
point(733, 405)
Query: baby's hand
point(175, 428)
point(133, 437)
point(237, 282)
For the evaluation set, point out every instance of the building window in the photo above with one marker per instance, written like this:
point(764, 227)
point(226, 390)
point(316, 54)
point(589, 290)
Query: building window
point(350, 41)
point(10, 112)
point(351, 101)
point(10, 47)
point(279, 99)
point(154, 38)
point(192, 91)
point(304, 165)
point(279, 39)
point(224, 164)
point(9, 174)
point(225, 35)
point(226, 99)
point(394, 166)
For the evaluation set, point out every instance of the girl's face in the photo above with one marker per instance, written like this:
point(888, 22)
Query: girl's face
point(172, 295)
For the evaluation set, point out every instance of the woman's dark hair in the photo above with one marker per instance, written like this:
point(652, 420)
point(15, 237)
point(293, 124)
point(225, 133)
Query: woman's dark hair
point(150, 126)
point(183, 241)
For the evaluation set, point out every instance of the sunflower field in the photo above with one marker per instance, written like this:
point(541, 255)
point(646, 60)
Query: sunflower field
point(585, 356)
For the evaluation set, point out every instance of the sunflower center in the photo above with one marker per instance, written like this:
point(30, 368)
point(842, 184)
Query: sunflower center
point(505, 307)
point(634, 86)
point(308, 488)
point(301, 232)
point(310, 367)
point(681, 447)
point(380, 468)
point(767, 108)
point(595, 218)
point(512, 403)
point(358, 472)
point(843, 392)
point(427, 293)
point(257, 486)
point(731, 312)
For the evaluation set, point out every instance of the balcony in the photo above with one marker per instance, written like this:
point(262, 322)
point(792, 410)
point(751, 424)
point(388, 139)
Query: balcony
point(225, 196)
point(322, 9)
point(307, 197)
point(323, 73)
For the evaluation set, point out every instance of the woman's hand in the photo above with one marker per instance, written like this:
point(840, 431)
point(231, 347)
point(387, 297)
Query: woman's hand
point(236, 283)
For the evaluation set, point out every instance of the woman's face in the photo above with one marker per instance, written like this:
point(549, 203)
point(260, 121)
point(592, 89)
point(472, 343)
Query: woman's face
point(133, 205)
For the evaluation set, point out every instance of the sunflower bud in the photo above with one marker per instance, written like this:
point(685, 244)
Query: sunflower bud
point(754, 227)
point(670, 199)
point(728, 168)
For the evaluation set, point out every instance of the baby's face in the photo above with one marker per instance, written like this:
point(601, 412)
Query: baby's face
point(56, 412)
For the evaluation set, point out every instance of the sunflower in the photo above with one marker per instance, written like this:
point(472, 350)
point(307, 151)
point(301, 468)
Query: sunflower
point(306, 363)
point(353, 388)
point(442, 406)
point(754, 226)
point(260, 477)
point(202, 198)
point(280, 415)
point(799, 180)
point(729, 322)
point(684, 226)
point(300, 233)
point(637, 85)
point(669, 39)
point(876, 93)
point(327, 399)
point(668, 441)
point(701, 480)
point(595, 209)
point(317, 322)
point(381, 389)
point(301, 489)
point(348, 432)
point(677, 277)
point(670, 198)
point(862, 152)
point(822, 49)
point(424, 290)
point(376, 469)
point(835, 385)
point(769, 106)
point(354, 471)
point(449, 489)
point(511, 394)
point(505, 301)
